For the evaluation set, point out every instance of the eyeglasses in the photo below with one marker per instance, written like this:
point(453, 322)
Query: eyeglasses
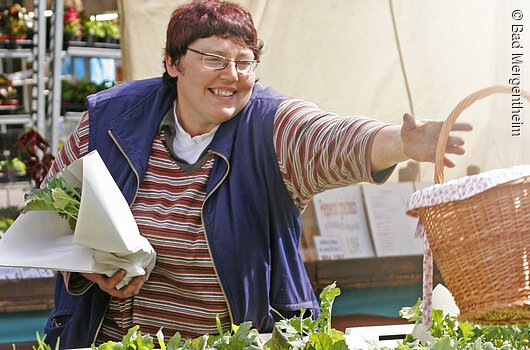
point(217, 62)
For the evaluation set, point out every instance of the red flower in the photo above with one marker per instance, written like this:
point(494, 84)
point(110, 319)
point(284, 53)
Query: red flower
point(71, 15)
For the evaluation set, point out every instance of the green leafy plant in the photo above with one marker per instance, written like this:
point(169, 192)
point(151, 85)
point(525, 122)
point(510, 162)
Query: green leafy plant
point(4, 225)
point(295, 333)
point(450, 333)
point(42, 345)
point(300, 332)
point(35, 152)
point(58, 196)
point(72, 22)
point(15, 21)
point(111, 29)
point(8, 93)
point(14, 165)
point(93, 28)
point(241, 337)
point(132, 340)
point(77, 91)
point(306, 333)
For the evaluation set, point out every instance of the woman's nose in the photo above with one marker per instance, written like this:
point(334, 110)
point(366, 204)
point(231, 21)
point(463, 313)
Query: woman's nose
point(231, 70)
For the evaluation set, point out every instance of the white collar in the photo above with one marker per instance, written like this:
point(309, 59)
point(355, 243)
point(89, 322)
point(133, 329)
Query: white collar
point(187, 147)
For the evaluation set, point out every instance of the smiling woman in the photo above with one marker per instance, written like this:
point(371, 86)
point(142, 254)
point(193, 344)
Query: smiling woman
point(209, 95)
point(217, 171)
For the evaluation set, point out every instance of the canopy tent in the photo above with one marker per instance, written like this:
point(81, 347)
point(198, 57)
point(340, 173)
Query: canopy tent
point(380, 58)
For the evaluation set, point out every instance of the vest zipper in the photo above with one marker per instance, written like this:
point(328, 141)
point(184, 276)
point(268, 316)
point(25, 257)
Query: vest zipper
point(206, 236)
point(130, 164)
point(101, 323)
point(137, 187)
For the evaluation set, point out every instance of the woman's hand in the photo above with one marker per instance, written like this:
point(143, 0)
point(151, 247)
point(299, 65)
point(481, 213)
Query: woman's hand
point(108, 284)
point(420, 138)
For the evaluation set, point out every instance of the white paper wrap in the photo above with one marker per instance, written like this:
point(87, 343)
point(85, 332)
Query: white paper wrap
point(106, 237)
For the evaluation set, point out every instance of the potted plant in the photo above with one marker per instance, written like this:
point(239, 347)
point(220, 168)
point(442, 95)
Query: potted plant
point(72, 26)
point(7, 217)
point(8, 96)
point(34, 151)
point(74, 93)
point(93, 30)
point(17, 24)
point(112, 31)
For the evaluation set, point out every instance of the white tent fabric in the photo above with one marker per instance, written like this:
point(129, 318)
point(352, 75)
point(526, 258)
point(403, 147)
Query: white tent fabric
point(344, 55)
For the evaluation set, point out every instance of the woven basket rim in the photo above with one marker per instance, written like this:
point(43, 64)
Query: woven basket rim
point(417, 200)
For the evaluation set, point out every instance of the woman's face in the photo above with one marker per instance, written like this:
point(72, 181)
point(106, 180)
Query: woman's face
point(208, 97)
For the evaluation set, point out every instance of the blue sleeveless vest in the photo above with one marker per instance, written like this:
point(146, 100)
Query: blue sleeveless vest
point(252, 226)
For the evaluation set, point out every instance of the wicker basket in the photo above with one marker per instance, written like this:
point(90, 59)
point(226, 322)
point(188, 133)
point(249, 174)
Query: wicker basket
point(481, 244)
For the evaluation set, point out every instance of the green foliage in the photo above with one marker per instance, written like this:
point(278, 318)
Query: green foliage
point(241, 337)
point(58, 196)
point(295, 333)
point(10, 212)
point(4, 225)
point(71, 22)
point(41, 344)
point(450, 334)
point(13, 164)
point(77, 91)
point(95, 28)
point(14, 20)
point(7, 217)
point(302, 332)
point(111, 29)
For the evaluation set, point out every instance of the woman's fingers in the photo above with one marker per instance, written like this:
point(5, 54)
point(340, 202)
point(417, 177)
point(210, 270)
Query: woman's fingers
point(454, 146)
point(449, 163)
point(133, 288)
point(461, 127)
point(409, 123)
point(108, 284)
point(420, 138)
point(112, 282)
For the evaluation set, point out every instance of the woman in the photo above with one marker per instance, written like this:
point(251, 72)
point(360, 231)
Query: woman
point(217, 171)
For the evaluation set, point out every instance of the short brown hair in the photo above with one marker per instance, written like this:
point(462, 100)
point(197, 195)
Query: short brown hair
point(205, 18)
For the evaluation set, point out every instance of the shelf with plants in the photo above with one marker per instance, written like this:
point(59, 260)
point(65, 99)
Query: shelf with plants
point(83, 30)
point(22, 63)
point(74, 94)
point(25, 158)
point(16, 53)
point(86, 51)
point(85, 37)
point(12, 108)
point(15, 27)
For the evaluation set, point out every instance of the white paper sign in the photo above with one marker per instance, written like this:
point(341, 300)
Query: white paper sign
point(392, 230)
point(340, 214)
point(16, 273)
point(106, 237)
point(329, 247)
point(9, 273)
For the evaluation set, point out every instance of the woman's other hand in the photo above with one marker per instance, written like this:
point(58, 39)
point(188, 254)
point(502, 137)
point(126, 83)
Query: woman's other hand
point(420, 137)
point(108, 284)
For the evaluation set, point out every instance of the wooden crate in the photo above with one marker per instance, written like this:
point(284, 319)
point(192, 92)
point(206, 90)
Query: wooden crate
point(32, 294)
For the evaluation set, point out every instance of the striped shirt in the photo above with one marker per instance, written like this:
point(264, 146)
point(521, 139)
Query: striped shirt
point(316, 151)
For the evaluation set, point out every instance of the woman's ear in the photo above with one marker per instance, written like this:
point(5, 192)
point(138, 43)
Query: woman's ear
point(171, 66)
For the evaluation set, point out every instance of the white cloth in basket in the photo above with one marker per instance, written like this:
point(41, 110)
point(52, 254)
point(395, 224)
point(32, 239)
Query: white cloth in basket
point(464, 187)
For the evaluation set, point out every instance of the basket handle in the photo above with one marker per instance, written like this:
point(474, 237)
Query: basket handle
point(460, 107)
